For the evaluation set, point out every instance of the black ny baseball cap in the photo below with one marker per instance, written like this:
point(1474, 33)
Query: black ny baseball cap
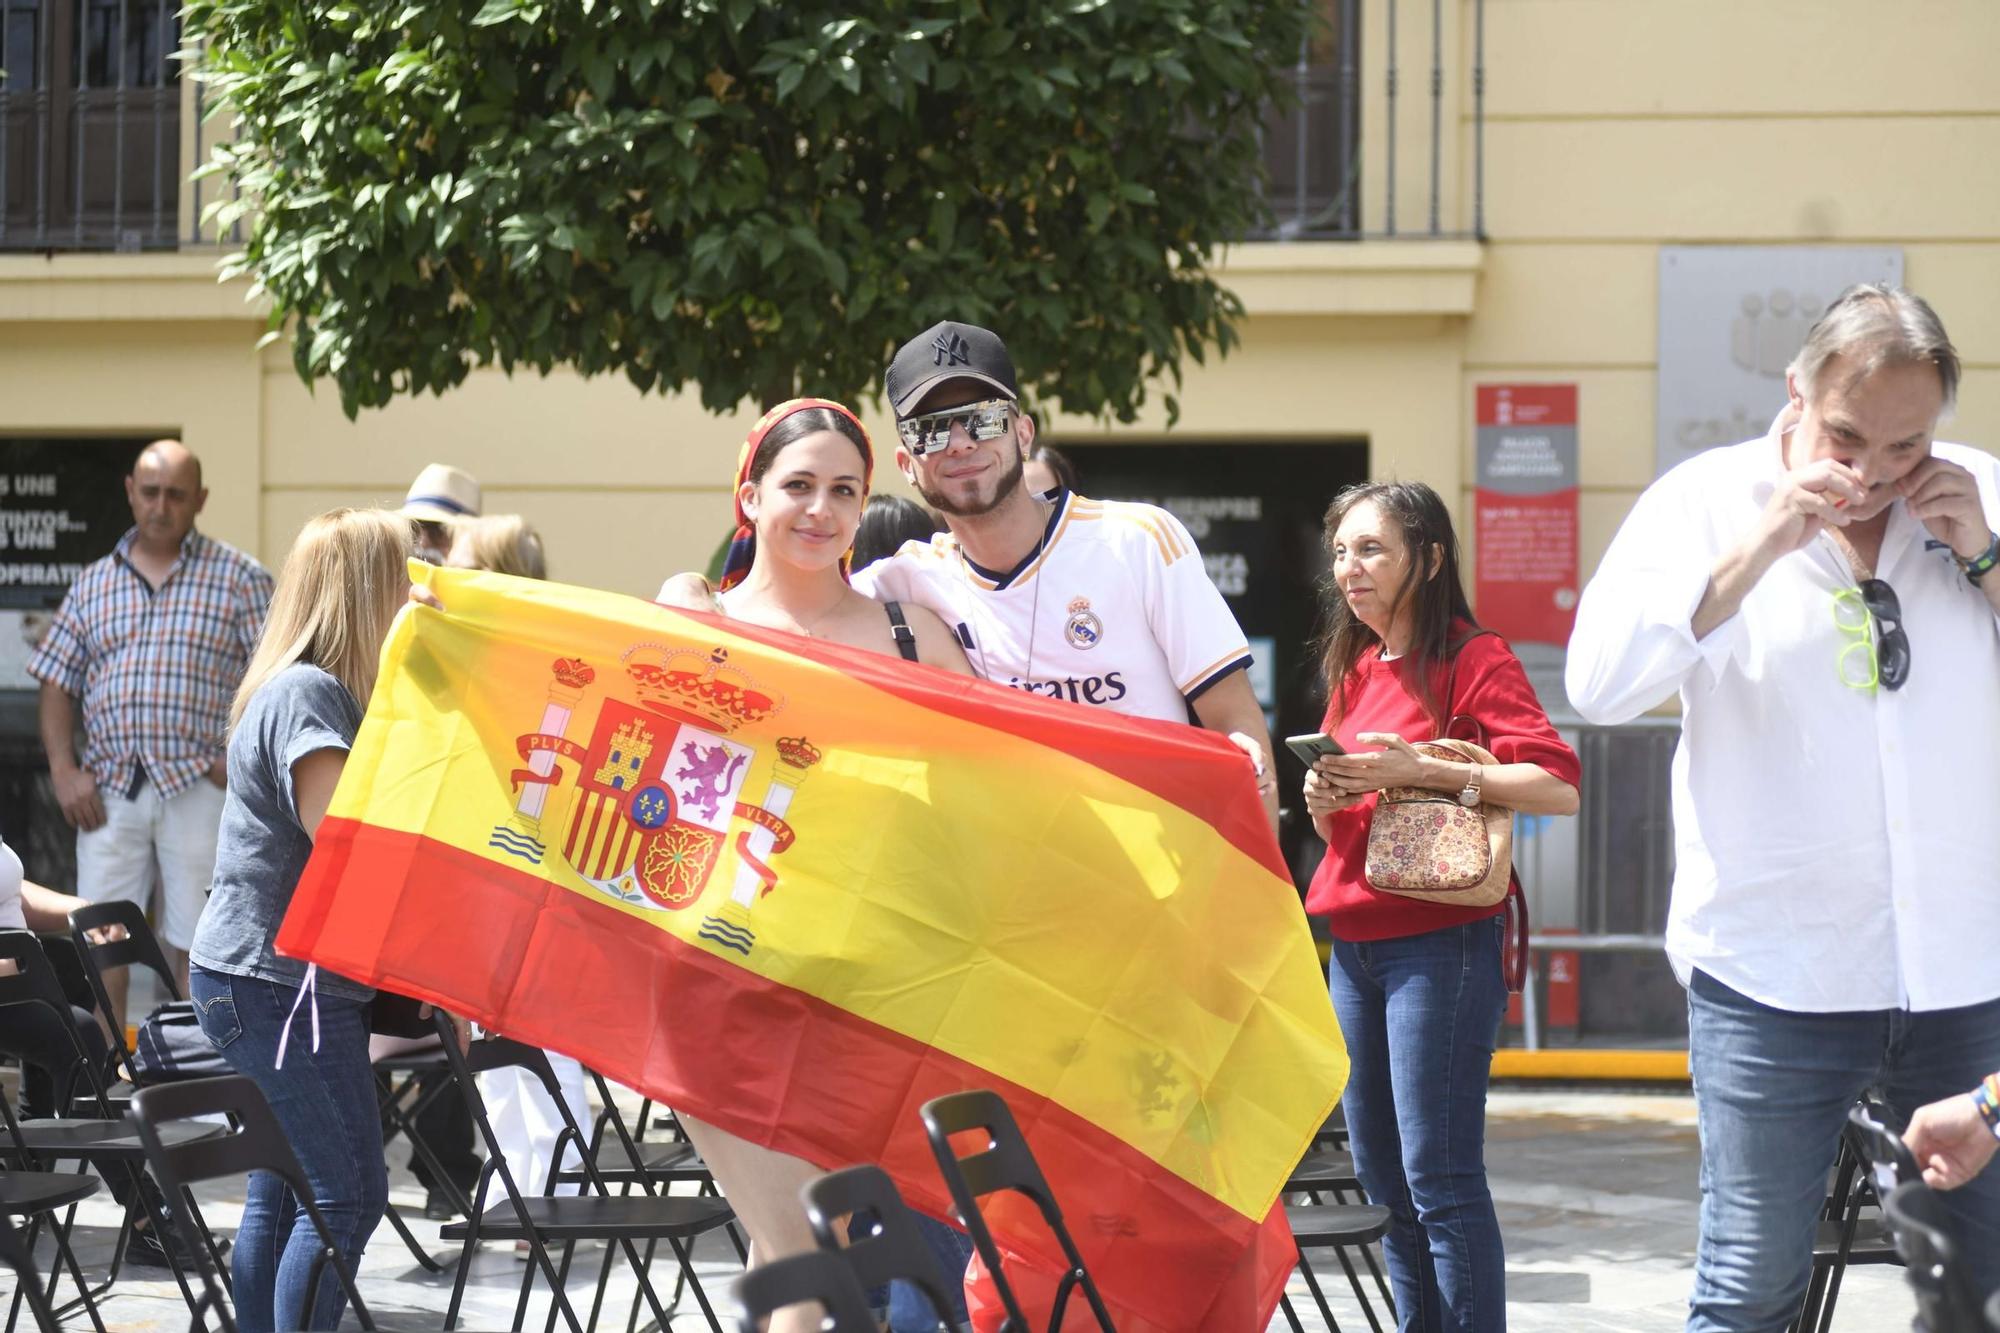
point(948, 351)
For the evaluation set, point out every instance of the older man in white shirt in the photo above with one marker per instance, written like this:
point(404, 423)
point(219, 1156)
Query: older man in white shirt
point(1823, 601)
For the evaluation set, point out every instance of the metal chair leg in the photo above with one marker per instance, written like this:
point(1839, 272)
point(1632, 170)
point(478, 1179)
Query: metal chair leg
point(60, 1235)
point(1354, 1282)
point(685, 1253)
point(1319, 1297)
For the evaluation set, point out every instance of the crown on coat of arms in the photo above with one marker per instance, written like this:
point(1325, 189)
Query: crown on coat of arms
point(573, 672)
point(797, 751)
point(695, 687)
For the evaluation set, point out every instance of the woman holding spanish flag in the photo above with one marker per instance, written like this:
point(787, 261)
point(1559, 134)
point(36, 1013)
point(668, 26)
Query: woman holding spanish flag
point(290, 730)
point(801, 483)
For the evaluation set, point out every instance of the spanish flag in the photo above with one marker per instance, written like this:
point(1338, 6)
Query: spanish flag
point(798, 890)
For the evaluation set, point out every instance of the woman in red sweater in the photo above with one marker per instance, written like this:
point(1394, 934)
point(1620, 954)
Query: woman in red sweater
point(1418, 987)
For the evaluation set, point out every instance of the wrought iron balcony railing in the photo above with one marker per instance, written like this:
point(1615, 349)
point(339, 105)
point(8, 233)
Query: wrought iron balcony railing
point(1344, 163)
point(98, 134)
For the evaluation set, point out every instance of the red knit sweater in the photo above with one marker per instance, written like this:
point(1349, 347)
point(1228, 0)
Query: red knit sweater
point(1491, 688)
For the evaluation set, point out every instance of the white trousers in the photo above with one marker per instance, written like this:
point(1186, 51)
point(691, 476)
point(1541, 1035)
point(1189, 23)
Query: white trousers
point(175, 836)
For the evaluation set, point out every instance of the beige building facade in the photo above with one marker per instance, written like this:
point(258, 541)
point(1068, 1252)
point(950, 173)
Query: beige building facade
point(1611, 128)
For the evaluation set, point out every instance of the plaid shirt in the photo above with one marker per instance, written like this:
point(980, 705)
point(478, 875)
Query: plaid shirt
point(156, 669)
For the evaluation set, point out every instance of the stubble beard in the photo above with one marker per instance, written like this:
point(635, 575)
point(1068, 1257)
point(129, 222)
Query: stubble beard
point(1010, 481)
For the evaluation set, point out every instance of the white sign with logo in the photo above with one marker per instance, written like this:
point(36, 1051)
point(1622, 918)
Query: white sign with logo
point(1731, 319)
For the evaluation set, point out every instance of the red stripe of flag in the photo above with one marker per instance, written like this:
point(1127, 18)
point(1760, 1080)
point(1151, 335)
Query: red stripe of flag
point(546, 966)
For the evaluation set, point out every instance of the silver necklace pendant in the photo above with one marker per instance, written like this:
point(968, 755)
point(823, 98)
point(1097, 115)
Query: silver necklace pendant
point(1034, 606)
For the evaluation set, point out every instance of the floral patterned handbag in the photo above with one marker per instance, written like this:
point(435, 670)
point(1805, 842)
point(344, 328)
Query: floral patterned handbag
point(1423, 844)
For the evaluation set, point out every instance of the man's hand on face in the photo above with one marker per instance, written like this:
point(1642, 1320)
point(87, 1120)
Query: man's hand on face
point(1944, 497)
point(1808, 499)
point(76, 793)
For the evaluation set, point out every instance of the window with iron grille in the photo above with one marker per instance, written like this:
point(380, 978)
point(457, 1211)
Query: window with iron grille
point(1311, 151)
point(89, 124)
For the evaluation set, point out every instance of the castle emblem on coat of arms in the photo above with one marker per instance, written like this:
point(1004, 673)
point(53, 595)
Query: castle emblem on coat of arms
point(654, 795)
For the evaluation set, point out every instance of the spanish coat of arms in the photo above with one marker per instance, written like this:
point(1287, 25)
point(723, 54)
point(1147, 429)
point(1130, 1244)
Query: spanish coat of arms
point(651, 797)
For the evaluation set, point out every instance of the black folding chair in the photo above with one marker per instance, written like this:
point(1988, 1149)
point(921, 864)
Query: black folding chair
point(1325, 1172)
point(1332, 1132)
point(402, 1098)
point(1850, 1229)
point(109, 1144)
point(1946, 1301)
point(15, 1255)
point(256, 1142)
point(627, 1159)
point(1004, 1163)
point(1889, 1159)
point(1338, 1227)
point(139, 947)
point(625, 1156)
point(818, 1278)
point(540, 1219)
point(39, 1196)
point(882, 1243)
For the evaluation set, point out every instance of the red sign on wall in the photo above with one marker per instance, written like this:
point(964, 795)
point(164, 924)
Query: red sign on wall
point(1524, 511)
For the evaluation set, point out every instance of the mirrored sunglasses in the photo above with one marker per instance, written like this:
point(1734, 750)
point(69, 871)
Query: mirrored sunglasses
point(931, 432)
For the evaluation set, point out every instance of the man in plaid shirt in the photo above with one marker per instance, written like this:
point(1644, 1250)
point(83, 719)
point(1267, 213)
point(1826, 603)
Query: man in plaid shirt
point(152, 642)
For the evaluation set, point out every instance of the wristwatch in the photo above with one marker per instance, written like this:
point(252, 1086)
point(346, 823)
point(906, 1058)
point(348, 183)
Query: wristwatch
point(1982, 564)
point(1470, 796)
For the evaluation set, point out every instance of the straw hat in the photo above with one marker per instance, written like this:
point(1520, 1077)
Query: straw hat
point(442, 493)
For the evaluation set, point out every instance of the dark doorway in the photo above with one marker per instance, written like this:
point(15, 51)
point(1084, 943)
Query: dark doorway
point(62, 505)
point(1254, 510)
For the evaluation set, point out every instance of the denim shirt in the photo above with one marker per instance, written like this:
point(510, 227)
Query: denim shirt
point(261, 848)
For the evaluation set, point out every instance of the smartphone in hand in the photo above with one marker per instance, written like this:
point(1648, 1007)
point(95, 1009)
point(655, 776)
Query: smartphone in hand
point(1312, 747)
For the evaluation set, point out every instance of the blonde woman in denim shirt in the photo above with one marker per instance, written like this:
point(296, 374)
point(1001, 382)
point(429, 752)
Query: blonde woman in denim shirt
point(290, 730)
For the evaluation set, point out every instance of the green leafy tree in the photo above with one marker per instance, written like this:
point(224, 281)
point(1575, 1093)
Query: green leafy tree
point(747, 197)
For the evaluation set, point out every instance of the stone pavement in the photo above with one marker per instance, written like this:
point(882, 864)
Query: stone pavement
point(1596, 1191)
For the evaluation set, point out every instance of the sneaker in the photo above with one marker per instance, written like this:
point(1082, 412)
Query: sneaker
point(145, 1251)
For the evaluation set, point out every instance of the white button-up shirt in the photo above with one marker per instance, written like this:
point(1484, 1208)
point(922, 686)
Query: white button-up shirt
point(1837, 848)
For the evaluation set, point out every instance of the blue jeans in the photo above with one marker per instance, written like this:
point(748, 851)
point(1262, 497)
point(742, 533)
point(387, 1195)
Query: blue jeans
point(1420, 1015)
point(909, 1310)
point(1772, 1090)
point(325, 1101)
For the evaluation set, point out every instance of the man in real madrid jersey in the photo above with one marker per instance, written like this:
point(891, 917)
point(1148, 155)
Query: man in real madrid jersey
point(1096, 602)
point(1099, 603)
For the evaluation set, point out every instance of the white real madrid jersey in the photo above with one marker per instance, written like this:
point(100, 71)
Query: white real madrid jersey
point(1114, 608)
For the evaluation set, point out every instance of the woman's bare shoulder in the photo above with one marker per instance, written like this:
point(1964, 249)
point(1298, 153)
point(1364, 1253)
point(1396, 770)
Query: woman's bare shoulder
point(936, 643)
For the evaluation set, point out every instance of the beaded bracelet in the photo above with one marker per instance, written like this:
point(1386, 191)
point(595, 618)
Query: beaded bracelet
point(1986, 1099)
